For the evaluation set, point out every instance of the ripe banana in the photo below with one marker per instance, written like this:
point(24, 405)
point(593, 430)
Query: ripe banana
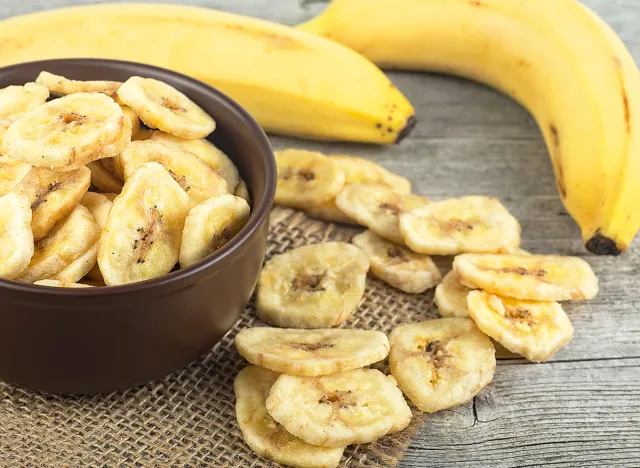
point(292, 82)
point(555, 57)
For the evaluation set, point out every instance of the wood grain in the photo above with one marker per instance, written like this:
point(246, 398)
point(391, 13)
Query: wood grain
point(582, 409)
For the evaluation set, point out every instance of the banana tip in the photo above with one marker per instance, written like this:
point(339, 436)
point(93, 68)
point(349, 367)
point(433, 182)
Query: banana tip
point(602, 245)
point(408, 128)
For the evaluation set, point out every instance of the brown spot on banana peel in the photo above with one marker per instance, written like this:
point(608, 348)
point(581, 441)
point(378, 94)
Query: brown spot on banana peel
point(408, 128)
point(556, 160)
point(476, 3)
point(603, 245)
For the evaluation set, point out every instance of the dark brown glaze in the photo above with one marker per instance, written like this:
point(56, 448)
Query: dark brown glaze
point(94, 340)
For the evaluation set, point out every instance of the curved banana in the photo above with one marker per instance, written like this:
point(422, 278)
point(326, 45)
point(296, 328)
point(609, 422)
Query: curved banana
point(292, 82)
point(555, 57)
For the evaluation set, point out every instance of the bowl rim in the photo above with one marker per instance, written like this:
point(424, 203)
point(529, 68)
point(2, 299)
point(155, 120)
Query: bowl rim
point(257, 217)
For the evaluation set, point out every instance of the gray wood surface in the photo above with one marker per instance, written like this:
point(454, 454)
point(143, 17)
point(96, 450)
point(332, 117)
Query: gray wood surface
point(581, 409)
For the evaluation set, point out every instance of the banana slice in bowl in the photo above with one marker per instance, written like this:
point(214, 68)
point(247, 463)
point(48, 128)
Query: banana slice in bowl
point(59, 85)
point(16, 238)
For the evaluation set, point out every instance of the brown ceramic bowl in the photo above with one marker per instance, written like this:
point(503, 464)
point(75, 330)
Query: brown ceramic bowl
point(102, 339)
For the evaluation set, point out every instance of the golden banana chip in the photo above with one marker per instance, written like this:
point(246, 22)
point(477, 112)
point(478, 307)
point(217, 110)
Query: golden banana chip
point(80, 267)
point(315, 286)
point(102, 179)
point(264, 435)
point(451, 297)
point(533, 329)
point(113, 166)
point(306, 178)
point(398, 266)
point(16, 239)
point(195, 176)
point(351, 407)
point(52, 195)
point(243, 192)
point(68, 132)
point(16, 100)
point(111, 196)
point(377, 207)
point(61, 86)
point(329, 211)
point(99, 205)
point(61, 284)
point(143, 134)
point(457, 225)
point(311, 353)
point(141, 239)
point(135, 120)
point(534, 277)
point(161, 106)
point(11, 172)
point(441, 363)
point(362, 171)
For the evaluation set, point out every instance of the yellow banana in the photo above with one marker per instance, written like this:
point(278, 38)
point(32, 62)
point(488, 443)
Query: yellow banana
point(555, 57)
point(292, 82)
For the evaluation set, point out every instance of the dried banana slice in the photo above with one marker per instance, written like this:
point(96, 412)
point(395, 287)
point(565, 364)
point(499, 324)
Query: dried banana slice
point(113, 166)
point(61, 86)
point(52, 195)
point(111, 196)
point(315, 286)
point(80, 267)
point(210, 225)
point(99, 206)
point(350, 407)
point(61, 284)
point(96, 283)
point(441, 363)
point(361, 171)
point(141, 239)
point(163, 107)
point(206, 151)
point(194, 175)
point(11, 172)
point(306, 178)
point(69, 239)
point(143, 134)
point(243, 192)
point(533, 329)
point(451, 297)
point(102, 179)
point(135, 120)
point(535, 277)
point(311, 353)
point(16, 239)
point(16, 100)
point(329, 211)
point(465, 224)
point(265, 436)
point(68, 132)
point(398, 266)
point(378, 207)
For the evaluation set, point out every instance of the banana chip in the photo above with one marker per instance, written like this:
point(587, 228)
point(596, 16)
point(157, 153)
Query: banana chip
point(68, 132)
point(351, 407)
point(16, 239)
point(265, 436)
point(52, 195)
point(206, 151)
point(11, 172)
point(465, 224)
point(533, 329)
point(61, 86)
point(306, 178)
point(311, 353)
point(163, 107)
point(362, 171)
point(210, 225)
point(398, 266)
point(135, 120)
point(143, 134)
point(329, 212)
point(70, 238)
point(194, 175)
point(102, 179)
point(441, 363)
point(114, 167)
point(111, 196)
point(315, 286)
point(99, 205)
point(16, 100)
point(243, 192)
point(377, 207)
point(61, 284)
point(80, 267)
point(451, 297)
point(141, 239)
point(534, 277)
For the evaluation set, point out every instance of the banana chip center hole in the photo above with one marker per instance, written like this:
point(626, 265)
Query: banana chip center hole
point(390, 208)
point(537, 272)
point(72, 117)
point(436, 352)
point(172, 106)
point(340, 398)
point(309, 282)
point(311, 346)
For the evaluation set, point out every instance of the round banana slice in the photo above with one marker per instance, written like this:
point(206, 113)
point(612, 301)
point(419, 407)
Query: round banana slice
point(451, 297)
point(102, 179)
point(377, 207)
point(194, 175)
point(11, 172)
point(329, 212)
point(163, 107)
point(16, 100)
point(52, 195)
point(441, 363)
point(99, 206)
point(243, 192)
point(135, 120)
point(61, 86)
point(206, 151)
point(70, 238)
point(535, 330)
point(465, 224)
point(16, 239)
point(80, 267)
point(311, 353)
point(61, 284)
point(306, 178)
point(141, 239)
point(350, 407)
point(265, 436)
point(211, 225)
point(315, 286)
point(398, 266)
point(68, 132)
point(534, 277)
point(361, 171)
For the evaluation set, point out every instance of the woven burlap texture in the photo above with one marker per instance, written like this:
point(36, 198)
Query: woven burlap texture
point(188, 419)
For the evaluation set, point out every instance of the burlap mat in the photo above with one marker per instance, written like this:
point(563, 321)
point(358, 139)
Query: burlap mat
point(188, 419)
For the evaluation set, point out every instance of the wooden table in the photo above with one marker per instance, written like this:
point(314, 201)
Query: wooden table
point(583, 408)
